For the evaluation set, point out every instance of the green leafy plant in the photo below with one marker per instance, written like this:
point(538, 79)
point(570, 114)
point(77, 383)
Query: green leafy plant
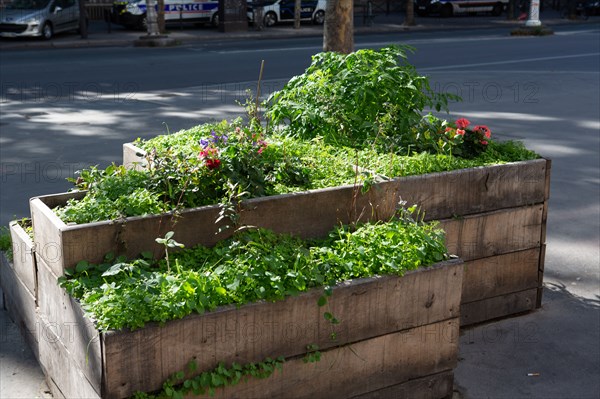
point(5, 242)
point(356, 98)
point(169, 242)
point(189, 381)
point(254, 264)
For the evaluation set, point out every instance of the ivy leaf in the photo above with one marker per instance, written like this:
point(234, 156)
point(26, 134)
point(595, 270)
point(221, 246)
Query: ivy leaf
point(82, 266)
point(322, 301)
point(115, 269)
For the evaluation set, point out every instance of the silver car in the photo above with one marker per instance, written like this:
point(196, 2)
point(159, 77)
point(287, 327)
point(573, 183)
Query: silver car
point(38, 18)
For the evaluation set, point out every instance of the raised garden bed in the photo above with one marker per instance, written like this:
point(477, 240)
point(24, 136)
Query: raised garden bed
point(397, 333)
point(495, 219)
point(18, 278)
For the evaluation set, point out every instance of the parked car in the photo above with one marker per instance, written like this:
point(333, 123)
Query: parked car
point(41, 18)
point(132, 13)
point(448, 8)
point(283, 10)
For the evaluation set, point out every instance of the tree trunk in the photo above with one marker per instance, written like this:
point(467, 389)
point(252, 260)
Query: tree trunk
point(410, 13)
point(83, 31)
point(297, 12)
point(160, 14)
point(338, 33)
point(151, 19)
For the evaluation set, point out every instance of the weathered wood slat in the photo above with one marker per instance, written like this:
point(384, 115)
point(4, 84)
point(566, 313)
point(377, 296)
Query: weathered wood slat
point(500, 306)
point(435, 386)
point(500, 275)
point(20, 304)
point(367, 308)
point(494, 233)
point(47, 228)
point(23, 257)
point(65, 377)
point(470, 191)
point(360, 367)
point(75, 331)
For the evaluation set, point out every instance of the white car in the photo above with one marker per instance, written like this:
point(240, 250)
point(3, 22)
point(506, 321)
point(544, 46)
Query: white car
point(448, 8)
point(283, 10)
point(38, 18)
point(132, 13)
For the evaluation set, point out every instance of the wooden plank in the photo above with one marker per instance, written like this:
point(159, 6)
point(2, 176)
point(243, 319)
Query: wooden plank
point(360, 367)
point(538, 302)
point(143, 359)
point(76, 332)
point(435, 386)
point(314, 213)
point(501, 274)
point(20, 304)
point(23, 257)
point(476, 190)
point(500, 306)
point(59, 367)
point(47, 230)
point(494, 233)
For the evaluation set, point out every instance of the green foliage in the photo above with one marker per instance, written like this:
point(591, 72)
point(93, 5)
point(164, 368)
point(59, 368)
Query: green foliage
point(189, 381)
point(250, 266)
point(313, 354)
point(214, 169)
point(113, 193)
point(356, 98)
point(5, 242)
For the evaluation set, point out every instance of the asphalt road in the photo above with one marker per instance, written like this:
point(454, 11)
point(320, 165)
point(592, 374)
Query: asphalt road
point(61, 110)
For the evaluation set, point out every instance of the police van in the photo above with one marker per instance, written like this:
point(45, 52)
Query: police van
point(448, 8)
point(132, 13)
point(283, 10)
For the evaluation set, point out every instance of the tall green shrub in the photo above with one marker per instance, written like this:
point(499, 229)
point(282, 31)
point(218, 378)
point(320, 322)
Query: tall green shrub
point(353, 99)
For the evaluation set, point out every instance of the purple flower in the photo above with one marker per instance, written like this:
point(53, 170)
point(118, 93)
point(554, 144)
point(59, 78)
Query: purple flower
point(204, 143)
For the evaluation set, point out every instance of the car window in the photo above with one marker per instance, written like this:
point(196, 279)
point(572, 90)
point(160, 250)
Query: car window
point(28, 4)
point(65, 3)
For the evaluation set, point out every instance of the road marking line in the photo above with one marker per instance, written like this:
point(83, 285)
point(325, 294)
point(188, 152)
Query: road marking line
point(558, 57)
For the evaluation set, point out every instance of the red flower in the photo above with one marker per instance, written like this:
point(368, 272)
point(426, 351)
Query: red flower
point(212, 163)
point(462, 123)
point(485, 130)
point(484, 142)
point(460, 132)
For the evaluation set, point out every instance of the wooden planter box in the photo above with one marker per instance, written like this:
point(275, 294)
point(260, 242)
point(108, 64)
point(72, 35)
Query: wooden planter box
point(398, 337)
point(494, 217)
point(18, 278)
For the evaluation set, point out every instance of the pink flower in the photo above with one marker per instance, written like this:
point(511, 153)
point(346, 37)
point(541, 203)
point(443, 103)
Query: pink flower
point(460, 132)
point(484, 142)
point(462, 123)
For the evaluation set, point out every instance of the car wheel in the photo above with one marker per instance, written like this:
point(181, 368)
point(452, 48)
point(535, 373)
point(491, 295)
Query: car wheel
point(47, 31)
point(319, 18)
point(215, 20)
point(270, 19)
point(447, 11)
point(497, 9)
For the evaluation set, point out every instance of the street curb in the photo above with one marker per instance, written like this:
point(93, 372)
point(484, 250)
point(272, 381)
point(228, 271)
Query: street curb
point(176, 38)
